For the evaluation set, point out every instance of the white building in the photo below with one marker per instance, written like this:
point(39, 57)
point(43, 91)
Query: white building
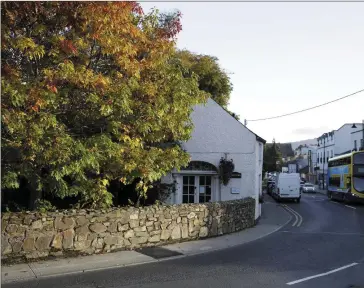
point(303, 151)
point(218, 135)
point(357, 136)
point(334, 143)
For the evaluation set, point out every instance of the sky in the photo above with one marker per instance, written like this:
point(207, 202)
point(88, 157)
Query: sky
point(283, 57)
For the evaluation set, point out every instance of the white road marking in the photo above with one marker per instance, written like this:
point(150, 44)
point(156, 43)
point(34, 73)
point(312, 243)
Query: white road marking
point(299, 218)
point(205, 248)
point(343, 205)
point(323, 232)
point(335, 202)
point(322, 274)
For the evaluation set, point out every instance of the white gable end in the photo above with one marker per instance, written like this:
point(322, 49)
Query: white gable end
point(215, 130)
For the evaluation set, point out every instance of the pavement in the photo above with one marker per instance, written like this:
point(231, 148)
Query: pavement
point(273, 218)
point(321, 245)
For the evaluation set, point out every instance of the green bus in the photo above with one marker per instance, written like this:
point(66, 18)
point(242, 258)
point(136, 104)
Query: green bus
point(346, 177)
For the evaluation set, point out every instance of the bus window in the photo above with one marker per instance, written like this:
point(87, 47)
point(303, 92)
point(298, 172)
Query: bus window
point(358, 172)
point(358, 184)
point(334, 181)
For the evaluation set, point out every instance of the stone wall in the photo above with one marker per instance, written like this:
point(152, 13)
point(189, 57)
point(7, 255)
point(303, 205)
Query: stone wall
point(32, 235)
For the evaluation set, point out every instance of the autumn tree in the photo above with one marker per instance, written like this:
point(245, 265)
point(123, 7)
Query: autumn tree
point(91, 92)
point(211, 77)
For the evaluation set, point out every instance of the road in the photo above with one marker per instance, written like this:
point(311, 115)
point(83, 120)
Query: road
point(322, 246)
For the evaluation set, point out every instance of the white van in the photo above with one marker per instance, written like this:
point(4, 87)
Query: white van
point(287, 187)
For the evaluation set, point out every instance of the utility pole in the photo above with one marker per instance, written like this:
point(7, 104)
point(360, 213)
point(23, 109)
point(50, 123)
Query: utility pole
point(309, 165)
point(323, 167)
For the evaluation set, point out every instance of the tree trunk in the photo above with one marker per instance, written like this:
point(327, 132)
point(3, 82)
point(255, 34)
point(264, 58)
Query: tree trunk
point(34, 196)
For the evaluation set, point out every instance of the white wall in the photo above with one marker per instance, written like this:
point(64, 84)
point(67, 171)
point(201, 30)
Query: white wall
point(357, 135)
point(329, 151)
point(258, 182)
point(215, 130)
point(326, 147)
point(343, 139)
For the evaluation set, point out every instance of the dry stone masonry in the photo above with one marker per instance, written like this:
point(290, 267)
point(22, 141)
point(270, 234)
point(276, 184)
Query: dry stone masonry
point(32, 235)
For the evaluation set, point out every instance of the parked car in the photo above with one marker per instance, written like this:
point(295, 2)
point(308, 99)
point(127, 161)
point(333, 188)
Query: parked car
point(270, 187)
point(308, 187)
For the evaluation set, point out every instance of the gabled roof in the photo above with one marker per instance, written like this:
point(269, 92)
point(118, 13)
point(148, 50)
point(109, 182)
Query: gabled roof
point(333, 131)
point(259, 139)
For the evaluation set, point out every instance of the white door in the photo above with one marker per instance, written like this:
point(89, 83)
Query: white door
point(197, 189)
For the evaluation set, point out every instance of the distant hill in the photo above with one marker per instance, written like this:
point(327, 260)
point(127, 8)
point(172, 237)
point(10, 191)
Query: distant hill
point(303, 142)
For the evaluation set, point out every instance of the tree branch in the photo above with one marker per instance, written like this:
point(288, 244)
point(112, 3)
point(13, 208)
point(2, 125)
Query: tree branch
point(92, 50)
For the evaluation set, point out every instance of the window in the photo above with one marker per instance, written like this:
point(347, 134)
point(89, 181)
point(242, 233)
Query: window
point(188, 195)
point(205, 189)
point(359, 158)
point(332, 153)
point(355, 144)
point(340, 162)
point(362, 143)
point(334, 181)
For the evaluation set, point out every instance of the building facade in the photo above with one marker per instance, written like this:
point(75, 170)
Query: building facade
point(357, 137)
point(335, 143)
point(217, 135)
point(303, 151)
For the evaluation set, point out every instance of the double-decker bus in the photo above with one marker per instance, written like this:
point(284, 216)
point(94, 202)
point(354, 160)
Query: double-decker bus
point(346, 177)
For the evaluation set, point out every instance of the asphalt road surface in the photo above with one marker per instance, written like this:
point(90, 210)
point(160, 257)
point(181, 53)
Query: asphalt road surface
point(322, 246)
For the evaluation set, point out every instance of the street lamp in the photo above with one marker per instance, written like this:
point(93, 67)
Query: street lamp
point(361, 143)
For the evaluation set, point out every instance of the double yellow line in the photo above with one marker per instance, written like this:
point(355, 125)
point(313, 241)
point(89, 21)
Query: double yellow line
point(298, 218)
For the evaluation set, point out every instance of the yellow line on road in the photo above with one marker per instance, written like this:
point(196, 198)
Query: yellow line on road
point(299, 218)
